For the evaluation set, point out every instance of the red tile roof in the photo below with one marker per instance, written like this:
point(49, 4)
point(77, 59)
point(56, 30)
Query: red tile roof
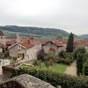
point(56, 42)
point(28, 42)
point(64, 41)
point(10, 42)
point(26, 45)
point(81, 43)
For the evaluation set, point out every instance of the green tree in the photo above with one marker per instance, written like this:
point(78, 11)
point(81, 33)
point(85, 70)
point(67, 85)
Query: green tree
point(62, 54)
point(70, 44)
point(80, 64)
point(85, 68)
point(78, 50)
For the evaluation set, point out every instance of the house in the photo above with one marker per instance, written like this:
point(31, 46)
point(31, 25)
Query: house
point(25, 49)
point(64, 42)
point(1, 48)
point(80, 42)
point(52, 46)
point(2, 37)
point(9, 42)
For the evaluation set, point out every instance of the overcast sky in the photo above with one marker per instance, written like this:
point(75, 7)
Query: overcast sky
point(70, 15)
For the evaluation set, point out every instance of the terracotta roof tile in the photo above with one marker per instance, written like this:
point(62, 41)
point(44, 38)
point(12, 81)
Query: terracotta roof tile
point(81, 43)
point(56, 42)
point(28, 42)
point(26, 45)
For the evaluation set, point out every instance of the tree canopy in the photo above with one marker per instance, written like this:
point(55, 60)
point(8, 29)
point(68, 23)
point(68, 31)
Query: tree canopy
point(70, 44)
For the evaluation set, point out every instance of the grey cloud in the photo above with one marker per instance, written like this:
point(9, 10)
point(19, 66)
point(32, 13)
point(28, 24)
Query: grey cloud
point(70, 15)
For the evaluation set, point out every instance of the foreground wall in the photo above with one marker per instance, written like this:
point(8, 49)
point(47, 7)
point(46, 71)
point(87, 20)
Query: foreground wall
point(25, 81)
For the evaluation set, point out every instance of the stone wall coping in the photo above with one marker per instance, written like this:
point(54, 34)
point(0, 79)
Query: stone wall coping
point(28, 81)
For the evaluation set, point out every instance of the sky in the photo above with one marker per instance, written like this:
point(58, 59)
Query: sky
point(69, 15)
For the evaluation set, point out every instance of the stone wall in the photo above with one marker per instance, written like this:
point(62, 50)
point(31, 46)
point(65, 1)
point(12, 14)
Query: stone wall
point(7, 71)
point(25, 81)
point(11, 84)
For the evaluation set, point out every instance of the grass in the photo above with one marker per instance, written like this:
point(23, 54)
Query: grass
point(58, 68)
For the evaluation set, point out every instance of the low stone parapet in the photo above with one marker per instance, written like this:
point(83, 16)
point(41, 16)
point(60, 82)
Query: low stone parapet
point(7, 71)
point(25, 81)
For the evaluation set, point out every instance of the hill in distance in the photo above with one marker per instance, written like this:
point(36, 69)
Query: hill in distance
point(84, 36)
point(33, 31)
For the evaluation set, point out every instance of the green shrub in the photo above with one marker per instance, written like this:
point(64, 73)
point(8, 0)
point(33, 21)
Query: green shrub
point(69, 56)
point(41, 55)
point(78, 50)
point(39, 64)
point(62, 54)
point(65, 61)
point(49, 63)
point(66, 81)
point(52, 57)
point(81, 59)
point(49, 58)
point(85, 57)
point(85, 68)
point(80, 64)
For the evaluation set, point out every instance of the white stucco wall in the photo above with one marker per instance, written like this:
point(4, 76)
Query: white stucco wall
point(13, 52)
point(31, 53)
point(2, 39)
point(50, 45)
point(1, 50)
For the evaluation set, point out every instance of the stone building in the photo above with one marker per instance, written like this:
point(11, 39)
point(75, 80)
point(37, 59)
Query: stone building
point(25, 49)
point(52, 46)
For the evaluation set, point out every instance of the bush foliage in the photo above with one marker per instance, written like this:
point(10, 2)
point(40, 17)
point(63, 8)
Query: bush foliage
point(81, 56)
point(85, 69)
point(52, 58)
point(62, 54)
point(65, 61)
point(78, 50)
point(55, 79)
point(80, 64)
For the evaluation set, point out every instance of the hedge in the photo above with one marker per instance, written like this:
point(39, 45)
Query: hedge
point(65, 61)
point(66, 81)
point(85, 68)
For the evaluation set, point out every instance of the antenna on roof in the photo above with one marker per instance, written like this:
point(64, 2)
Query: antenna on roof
point(18, 38)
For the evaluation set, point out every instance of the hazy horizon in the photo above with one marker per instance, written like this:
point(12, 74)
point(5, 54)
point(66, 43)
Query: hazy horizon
point(69, 15)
